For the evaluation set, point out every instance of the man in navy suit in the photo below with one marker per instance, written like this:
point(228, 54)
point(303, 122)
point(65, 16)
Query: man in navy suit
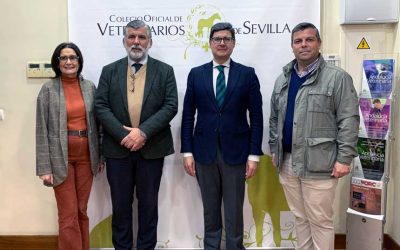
point(135, 101)
point(222, 149)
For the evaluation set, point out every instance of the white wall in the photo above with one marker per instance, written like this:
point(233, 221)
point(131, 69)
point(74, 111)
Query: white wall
point(32, 29)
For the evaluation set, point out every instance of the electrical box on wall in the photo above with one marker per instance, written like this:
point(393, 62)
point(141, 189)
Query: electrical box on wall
point(332, 59)
point(369, 11)
point(38, 69)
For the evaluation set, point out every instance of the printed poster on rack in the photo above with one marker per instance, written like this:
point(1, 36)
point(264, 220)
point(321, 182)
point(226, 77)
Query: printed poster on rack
point(375, 117)
point(377, 78)
point(370, 164)
point(366, 195)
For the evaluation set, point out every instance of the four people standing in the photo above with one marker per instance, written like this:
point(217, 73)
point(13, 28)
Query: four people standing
point(313, 133)
point(222, 148)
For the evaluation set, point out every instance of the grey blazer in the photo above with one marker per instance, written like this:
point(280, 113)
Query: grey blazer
point(51, 129)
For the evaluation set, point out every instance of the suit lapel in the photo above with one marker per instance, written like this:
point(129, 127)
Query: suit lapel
point(208, 82)
point(63, 119)
point(63, 108)
point(122, 68)
point(150, 77)
point(86, 93)
point(234, 72)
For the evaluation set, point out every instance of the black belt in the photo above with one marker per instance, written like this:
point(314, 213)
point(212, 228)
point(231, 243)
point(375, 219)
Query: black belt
point(80, 133)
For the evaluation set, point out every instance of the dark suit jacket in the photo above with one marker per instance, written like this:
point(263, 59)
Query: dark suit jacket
point(238, 138)
point(160, 104)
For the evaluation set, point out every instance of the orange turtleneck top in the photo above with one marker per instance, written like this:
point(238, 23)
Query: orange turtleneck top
point(76, 112)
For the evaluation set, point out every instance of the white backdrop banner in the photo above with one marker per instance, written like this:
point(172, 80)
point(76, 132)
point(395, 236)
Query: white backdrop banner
point(180, 32)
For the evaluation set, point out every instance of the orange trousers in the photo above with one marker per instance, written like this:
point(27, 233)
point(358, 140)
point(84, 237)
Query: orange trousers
point(72, 197)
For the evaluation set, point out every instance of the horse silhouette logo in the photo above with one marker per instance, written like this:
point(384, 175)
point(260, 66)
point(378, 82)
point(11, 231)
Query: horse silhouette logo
point(200, 20)
point(206, 24)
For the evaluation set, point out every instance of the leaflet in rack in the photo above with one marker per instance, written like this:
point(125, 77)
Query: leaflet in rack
point(374, 118)
point(377, 78)
point(370, 163)
point(366, 195)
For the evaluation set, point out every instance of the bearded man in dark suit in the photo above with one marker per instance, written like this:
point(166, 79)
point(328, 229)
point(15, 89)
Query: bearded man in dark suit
point(135, 102)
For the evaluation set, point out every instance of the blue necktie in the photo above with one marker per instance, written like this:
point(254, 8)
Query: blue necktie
point(220, 87)
point(137, 66)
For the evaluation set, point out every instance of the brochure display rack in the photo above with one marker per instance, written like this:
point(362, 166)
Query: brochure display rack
point(370, 175)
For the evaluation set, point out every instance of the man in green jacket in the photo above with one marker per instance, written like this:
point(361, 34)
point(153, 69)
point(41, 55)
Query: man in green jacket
point(313, 136)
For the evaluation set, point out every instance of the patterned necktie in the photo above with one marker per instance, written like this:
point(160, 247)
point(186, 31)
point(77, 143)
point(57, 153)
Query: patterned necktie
point(220, 87)
point(137, 66)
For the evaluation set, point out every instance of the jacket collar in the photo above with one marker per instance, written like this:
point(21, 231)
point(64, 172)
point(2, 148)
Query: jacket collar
point(288, 68)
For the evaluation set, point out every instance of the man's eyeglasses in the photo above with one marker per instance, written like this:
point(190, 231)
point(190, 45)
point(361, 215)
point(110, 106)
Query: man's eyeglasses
point(65, 58)
point(218, 40)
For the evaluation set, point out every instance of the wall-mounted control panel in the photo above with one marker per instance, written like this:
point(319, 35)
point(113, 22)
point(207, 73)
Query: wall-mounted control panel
point(332, 59)
point(48, 70)
point(39, 69)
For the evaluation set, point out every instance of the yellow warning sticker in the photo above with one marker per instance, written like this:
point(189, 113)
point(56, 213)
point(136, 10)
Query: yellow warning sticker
point(363, 44)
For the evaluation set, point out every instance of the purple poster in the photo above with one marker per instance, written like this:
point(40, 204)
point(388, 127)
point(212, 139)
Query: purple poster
point(375, 115)
point(377, 78)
